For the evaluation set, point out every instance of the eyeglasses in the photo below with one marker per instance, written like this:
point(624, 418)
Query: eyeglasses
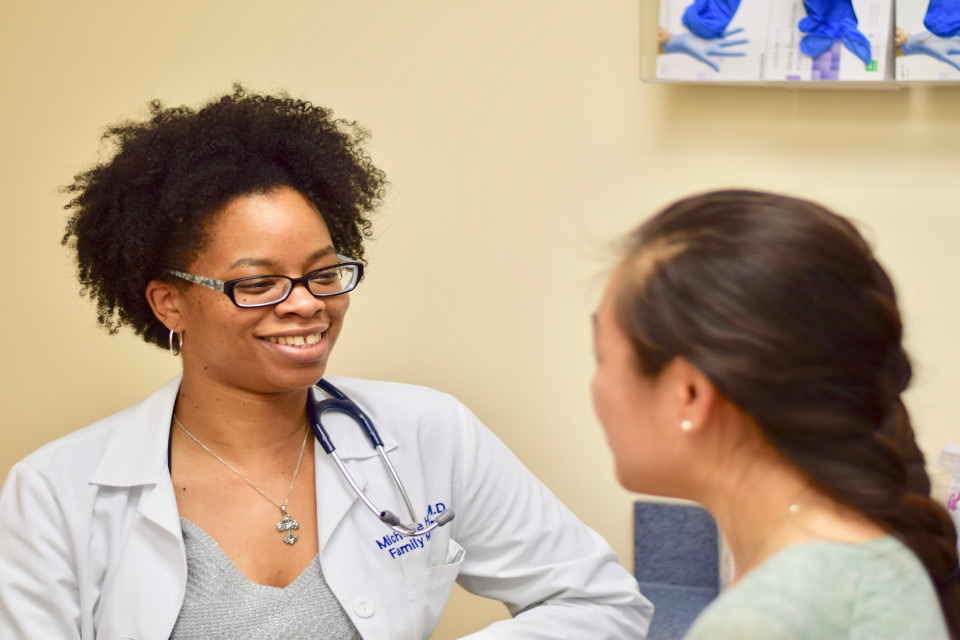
point(263, 291)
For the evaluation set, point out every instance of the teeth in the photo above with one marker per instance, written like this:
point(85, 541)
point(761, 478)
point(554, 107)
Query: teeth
point(296, 341)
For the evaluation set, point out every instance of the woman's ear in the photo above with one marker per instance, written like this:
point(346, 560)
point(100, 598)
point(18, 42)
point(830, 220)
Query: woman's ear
point(165, 300)
point(698, 397)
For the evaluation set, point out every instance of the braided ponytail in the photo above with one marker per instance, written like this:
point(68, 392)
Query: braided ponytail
point(919, 522)
point(900, 502)
point(781, 304)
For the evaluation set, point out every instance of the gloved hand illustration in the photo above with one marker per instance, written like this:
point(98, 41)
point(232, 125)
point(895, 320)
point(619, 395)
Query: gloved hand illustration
point(708, 19)
point(940, 48)
point(830, 20)
point(702, 49)
point(943, 18)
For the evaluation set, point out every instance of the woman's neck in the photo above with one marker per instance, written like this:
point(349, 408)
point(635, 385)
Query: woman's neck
point(766, 505)
point(231, 418)
point(752, 507)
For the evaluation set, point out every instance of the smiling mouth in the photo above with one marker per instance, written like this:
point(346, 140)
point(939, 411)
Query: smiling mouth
point(296, 341)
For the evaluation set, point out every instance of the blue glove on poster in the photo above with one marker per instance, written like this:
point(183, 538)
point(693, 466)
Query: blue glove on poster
point(708, 19)
point(935, 47)
point(943, 18)
point(828, 21)
point(702, 49)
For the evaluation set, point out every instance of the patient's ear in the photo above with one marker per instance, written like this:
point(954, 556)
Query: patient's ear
point(165, 299)
point(698, 397)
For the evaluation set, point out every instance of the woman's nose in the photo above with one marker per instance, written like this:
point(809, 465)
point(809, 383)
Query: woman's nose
point(301, 301)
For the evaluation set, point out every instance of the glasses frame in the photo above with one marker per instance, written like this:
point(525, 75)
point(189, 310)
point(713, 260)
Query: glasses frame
point(226, 287)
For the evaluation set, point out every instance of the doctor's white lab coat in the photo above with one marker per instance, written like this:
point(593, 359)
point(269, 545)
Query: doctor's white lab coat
point(91, 545)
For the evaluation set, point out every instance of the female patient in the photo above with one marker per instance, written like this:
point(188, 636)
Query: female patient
point(749, 358)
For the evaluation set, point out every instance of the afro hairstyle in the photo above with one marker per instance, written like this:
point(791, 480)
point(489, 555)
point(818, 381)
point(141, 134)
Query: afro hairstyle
point(144, 209)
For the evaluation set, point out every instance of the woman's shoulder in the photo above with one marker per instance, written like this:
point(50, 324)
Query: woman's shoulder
point(366, 386)
point(410, 413)
point(377, 395)
point(77, 454)
point(822, 590)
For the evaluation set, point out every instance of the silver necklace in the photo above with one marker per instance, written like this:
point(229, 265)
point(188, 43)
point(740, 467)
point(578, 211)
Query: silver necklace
point(788, 514)
point(287, 525)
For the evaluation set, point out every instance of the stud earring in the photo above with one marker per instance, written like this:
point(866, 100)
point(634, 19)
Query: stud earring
point(686, 425)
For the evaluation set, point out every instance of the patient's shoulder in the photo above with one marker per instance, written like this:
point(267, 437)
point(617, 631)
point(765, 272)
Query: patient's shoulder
point(823, 590)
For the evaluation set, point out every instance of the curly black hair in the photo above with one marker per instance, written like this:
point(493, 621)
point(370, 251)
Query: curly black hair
point(145, 209)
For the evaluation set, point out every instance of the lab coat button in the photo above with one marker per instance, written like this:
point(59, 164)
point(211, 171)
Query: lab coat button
point(363, 607)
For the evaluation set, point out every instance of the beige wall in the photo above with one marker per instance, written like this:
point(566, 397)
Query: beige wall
point(519, 141)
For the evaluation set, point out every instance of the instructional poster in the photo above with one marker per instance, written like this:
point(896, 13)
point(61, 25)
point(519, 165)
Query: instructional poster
point(927, 40)
point(776, 40)
point(734, 53)
point(786, 60)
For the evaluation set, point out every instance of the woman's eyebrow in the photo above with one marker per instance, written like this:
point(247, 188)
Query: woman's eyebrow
point(264, 262)
point(323, 252)
point(252, 262)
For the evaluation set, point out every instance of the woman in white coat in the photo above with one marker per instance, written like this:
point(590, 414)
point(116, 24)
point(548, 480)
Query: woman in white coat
point(232, 236)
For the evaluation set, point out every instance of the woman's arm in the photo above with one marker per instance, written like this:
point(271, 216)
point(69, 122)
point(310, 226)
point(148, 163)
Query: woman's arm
point(39, 593)
point(558, 578)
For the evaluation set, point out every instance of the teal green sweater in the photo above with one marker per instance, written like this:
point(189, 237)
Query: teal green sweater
point(875, 590)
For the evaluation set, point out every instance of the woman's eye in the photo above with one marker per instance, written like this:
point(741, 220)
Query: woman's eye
point(255, 286)
point(325, 277)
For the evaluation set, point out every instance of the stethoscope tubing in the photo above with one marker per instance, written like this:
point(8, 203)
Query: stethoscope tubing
point(340, 403)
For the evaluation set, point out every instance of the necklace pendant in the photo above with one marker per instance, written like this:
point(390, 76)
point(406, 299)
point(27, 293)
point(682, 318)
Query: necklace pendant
point(286, 526)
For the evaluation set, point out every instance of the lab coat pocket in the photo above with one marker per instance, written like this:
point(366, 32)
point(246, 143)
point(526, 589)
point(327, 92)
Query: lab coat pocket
point(430, 589)
point(436, 582)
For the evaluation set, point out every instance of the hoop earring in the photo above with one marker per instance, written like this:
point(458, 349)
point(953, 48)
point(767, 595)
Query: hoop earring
point(686, 425)
point(175, 350)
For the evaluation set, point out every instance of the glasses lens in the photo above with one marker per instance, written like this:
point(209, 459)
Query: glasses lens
point(333, 280)
point(254, 292)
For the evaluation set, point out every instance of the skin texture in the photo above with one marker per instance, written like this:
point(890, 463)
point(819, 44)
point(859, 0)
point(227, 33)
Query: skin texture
point(243, 396)
point(637, 418)
point(279, 233)
point(641, 415)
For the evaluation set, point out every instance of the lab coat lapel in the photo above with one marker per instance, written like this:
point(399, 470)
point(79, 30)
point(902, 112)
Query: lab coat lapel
point(146, 589)
point(335, 497)
point(137, 457)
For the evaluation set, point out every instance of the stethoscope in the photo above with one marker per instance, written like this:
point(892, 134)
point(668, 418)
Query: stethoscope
point(341, 403)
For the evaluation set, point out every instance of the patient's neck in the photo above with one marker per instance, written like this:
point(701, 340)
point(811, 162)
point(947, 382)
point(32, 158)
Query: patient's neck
point(764, 504)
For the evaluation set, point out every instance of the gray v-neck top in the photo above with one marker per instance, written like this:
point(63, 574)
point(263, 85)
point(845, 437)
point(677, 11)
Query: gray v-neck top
point(221, 602)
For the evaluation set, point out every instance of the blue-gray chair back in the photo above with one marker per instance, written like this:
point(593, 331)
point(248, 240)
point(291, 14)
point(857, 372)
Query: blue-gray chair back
point(677, 563)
